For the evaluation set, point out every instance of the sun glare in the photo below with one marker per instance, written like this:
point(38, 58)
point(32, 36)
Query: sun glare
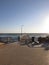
point(45, 25)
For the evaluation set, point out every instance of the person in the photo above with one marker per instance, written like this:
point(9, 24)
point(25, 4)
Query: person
point(33, 39)
point(18, 38)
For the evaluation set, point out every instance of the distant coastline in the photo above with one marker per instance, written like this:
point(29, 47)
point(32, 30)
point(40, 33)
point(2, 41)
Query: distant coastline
point(18, 34)
point(24, 33)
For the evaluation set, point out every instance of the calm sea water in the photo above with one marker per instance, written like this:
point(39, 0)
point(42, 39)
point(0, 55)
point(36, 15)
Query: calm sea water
point(18, 34)
point(15, 36)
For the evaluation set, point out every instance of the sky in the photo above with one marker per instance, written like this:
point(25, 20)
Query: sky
point(30, 15)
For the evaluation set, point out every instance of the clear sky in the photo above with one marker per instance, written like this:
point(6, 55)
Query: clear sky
point(32, 14)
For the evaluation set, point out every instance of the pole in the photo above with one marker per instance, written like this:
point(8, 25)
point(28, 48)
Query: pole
point(21, 29)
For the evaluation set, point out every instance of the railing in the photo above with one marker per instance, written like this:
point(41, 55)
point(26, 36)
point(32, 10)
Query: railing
point(8, 39)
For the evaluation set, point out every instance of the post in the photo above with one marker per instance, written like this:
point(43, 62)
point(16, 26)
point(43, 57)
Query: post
point(21, 29)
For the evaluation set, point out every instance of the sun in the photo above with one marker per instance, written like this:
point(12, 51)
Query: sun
point(45, 25)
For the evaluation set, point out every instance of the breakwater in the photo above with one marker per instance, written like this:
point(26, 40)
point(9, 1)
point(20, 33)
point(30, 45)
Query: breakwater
point(12, 37)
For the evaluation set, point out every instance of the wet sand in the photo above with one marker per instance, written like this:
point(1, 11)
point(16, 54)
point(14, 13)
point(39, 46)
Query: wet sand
point(14, 54)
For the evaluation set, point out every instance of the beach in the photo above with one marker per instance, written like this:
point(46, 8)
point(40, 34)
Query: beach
point(14, 54)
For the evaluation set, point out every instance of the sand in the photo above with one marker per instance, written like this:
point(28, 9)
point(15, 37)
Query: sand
point(14, 54)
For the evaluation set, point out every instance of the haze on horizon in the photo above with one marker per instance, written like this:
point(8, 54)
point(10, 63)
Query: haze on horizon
point(32, 14)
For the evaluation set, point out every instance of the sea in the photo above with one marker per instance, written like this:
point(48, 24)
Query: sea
point(16, 35)
point(19, 34)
